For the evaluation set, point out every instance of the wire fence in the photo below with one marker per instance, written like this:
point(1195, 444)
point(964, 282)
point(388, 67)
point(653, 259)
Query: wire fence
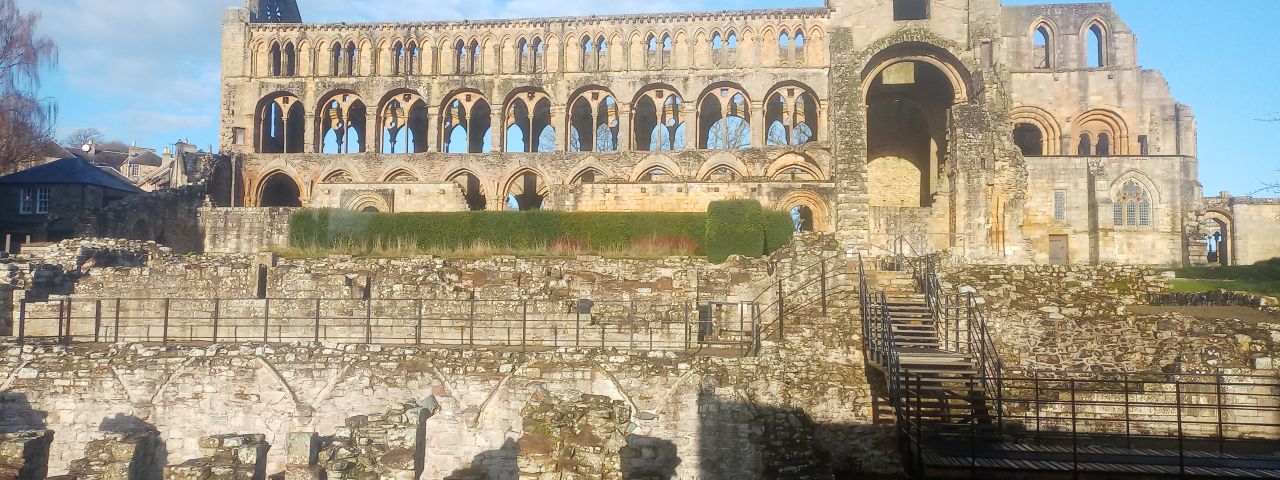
point(633, 325)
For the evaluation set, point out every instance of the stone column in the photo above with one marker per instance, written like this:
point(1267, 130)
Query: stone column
point(624, 128)
point(757, 124)
point(690, 116)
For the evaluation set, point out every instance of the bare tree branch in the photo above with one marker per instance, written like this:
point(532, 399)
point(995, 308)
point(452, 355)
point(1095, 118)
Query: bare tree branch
point(26, 121)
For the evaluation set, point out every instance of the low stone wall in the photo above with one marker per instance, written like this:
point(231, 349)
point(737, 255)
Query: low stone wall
point(165, 216)
point(1076, 318)
point(1217, 298)
point(25, 454)
point(244, 229)
point(694, 417)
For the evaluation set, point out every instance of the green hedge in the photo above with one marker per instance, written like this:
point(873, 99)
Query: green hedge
point(740, 227)
point(743, 227)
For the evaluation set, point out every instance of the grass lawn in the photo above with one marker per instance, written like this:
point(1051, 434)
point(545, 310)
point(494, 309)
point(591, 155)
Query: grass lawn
point(1270, 289)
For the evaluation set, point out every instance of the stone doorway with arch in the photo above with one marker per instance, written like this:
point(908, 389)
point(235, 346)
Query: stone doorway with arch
point(1219, 230)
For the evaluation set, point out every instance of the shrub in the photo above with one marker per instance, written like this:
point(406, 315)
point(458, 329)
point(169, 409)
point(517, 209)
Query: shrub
point(743, 227)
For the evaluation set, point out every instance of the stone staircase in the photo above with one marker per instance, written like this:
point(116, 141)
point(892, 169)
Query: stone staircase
point(943, 391)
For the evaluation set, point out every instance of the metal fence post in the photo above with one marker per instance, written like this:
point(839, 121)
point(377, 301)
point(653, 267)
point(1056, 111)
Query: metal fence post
point(686, 326)
point(1182, 450)
point(631, 325)
point(524, 324)
point(417, 331)
point(315, 336)
point(164, 331)
point(217, 313)
point(471, 321)
point(822, 281)
point(61, 307)
point(782, 336)
point(97, 321)
point(368, 321)
point(266, 319)
point(116, 334)
point(22, 322)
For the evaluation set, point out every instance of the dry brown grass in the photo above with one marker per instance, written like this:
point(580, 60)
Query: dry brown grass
point(650, 247)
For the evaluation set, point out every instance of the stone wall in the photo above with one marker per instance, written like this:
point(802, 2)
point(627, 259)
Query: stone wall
point(1077, 318)
point(240, 229)
point(693, 417)
point(165, 216)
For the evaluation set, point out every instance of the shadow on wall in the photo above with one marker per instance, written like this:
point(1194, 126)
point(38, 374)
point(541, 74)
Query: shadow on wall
point(496, 464)
point(738, 439)
point(152, 454)
point(16, 414)
point(649, 458)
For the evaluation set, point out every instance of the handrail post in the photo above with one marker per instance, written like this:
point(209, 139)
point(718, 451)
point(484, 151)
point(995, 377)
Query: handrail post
point(686, 328)
point(217, 307)
point(1075, 447)
point(116, 334)
point(1177, 393)
point(1217, 380)
point(62, 305)
point(315, 333)
point(822, 280)
point(524, 324)
point(471, 320)
point(266, 319)
point(22, 321)
point(417, 331)
point(631, 325)
point(164, 332)
point(782, 336)
point(97, 320)
point(368, 321)
point(1128, 436)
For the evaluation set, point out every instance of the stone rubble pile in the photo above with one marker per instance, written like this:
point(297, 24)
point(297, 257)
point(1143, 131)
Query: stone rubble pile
point(25, 454)
point(120, 456)
point(382, 446)
point(226, 457)
point(573, 438)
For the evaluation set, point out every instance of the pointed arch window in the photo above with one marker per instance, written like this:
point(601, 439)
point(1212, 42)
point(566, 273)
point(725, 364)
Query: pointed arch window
point(602, 54)
point(335, 59)
point(1042, 48)
point(275, 59)
point(589, 58)
point(798, 48)
point(290, 60)
point(724, 120)
point(1132, 206)
point(784, 47)
point(790, 116)
point(593, 122)
point(651, 51)
point(666, 50)
point(1096, 46)
point(461, 57)
point(397, 58)
point(352, 53)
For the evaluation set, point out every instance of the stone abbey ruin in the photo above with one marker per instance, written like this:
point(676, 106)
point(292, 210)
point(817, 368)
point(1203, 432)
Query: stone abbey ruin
point(985, 198)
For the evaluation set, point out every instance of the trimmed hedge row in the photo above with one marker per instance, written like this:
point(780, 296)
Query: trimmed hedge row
point(740, 227)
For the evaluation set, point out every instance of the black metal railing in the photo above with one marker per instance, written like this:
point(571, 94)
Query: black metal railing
point(1167, 424)
point(467, 322)
point(814, 285)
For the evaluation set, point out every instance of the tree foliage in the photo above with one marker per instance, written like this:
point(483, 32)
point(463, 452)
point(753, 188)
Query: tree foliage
point(26, 121)
point(83, 136)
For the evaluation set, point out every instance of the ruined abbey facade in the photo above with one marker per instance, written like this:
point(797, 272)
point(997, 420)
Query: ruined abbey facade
point(1002, 133)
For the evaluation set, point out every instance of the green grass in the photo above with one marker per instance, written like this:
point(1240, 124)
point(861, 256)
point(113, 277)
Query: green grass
point(1261, 278)
point(1270, 289)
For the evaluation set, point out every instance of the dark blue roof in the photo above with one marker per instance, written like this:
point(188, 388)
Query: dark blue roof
point(70, 170)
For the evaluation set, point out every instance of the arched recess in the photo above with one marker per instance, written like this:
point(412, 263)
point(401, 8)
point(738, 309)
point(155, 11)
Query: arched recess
point(341, 123)
point(1096, 43)
point(657, 119)
point(1044, 122)
point(527, 122)
point(401, 175)
point(281, 124)
point(1103, 121)
point(526, 190)
point(141, 230)
point(593, 121)
point(652, 165)
point(1220, 238)
point(723, 167)
point(279, 189)
point(338, 176)
point(472, 189)
point(791, 115)
point(820, 216)
point(403, 120)
point(910, 89)
point(465, 119)
point(795, 167)
point(724, 118)
point(370, 203)
point(587, 175)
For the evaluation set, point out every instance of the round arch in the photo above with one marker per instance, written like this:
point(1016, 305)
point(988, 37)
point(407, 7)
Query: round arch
point(279, 189)
point(813, 201)
point(1051, 132)
point(951, 67)
point(1104, 120)
point(655, 161)
point(1221, 241)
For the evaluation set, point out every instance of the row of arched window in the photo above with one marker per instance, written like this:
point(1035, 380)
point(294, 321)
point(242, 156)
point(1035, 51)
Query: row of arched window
point(467, 56)
point(592, 121)
point(1044, 54)
point(1097, 132)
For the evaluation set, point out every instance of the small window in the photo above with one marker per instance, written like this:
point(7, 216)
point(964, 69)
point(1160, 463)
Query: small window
point(134, 170)
point(910, 9)
point(1096, 47)
point(1143, 149)
point(42, 200)
point(27, 202)
point(237, 135)
point(1060, 205)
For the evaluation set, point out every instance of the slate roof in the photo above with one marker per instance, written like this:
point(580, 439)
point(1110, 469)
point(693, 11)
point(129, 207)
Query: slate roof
point(71, 170)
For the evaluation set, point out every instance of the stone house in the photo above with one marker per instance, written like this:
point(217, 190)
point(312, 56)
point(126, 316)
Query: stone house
point(48, 202)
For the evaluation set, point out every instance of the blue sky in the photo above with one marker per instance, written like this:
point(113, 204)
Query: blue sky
point(146, 71)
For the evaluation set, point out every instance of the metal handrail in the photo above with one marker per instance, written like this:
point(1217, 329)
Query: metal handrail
point(822, 281)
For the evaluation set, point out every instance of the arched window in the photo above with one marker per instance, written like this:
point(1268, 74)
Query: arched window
point(335, 59)
point(341, 124)
point(280, 124)
point(1029, 139)
point(290, 60)
point(528, 123)
point(666, 50)
point(275, 59)
point(537, 50)
point(593, 122)
point(1132, 206)
point(717, 49)
point(1085, 148)
point(397, 58)
point(602, 54)
point(658, 121)
point(651, 51)
point(1096, 47)
point(464, 124)
point(404, 124)
point(784, 47)
point(474, 65)
point(588, 54)
point(461, 57)
point(1042, 48)
point(790, 115)
point(352, 53)
point(411, 58)
point(798, 56)
point(522, 56)
point(1104, 145)
point(724, 120)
